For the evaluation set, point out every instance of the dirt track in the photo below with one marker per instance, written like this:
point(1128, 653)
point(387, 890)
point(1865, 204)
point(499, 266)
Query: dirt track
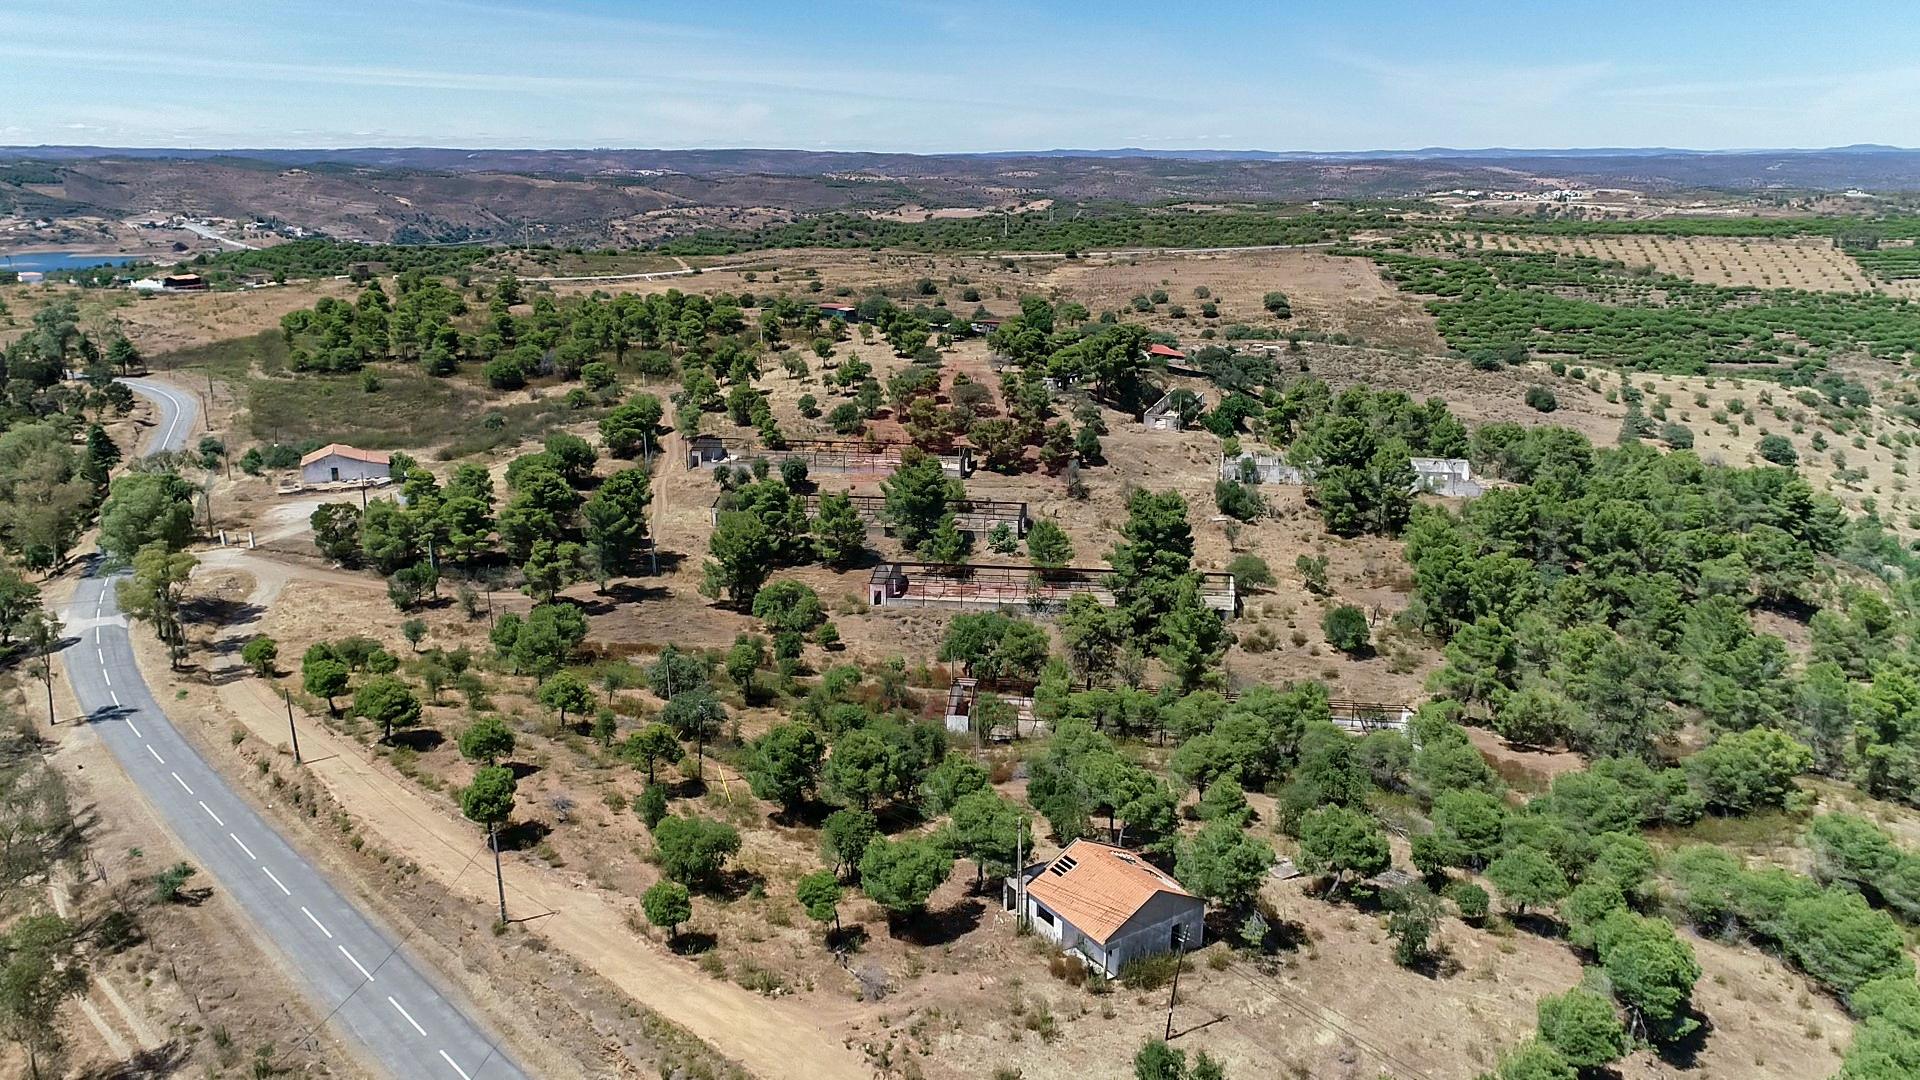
point(772, 1038)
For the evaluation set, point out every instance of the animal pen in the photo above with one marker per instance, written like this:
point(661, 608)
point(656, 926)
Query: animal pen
point(842, 456)
point(975, 516)
point(1039, 590)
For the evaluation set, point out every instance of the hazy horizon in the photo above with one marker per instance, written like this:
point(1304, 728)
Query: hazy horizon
point(913, 77)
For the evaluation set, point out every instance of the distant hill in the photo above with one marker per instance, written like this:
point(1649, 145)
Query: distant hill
point(595, 196)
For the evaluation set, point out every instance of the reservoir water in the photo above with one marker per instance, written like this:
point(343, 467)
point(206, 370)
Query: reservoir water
point(59, 260)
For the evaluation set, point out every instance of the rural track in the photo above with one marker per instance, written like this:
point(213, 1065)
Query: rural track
point(356, 973)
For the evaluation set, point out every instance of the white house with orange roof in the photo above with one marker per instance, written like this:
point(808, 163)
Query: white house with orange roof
point(1108, 905)
point(338, 462)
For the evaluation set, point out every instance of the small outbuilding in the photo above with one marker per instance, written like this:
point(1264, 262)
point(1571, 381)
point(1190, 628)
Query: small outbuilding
point(1165, 352)
point(337, 463)
point(1107, 905)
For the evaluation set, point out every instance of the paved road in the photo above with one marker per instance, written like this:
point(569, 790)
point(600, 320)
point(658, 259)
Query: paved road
point(378, 998)
point(216, 235)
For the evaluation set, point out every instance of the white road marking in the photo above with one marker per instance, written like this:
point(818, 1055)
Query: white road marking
point(107, 677)
point(156, 755)
point(130, 723)
point(401, 1009)
point(456, 1066)
point(244, 847)
point(182, 783)
point(316, 922)
point(101, 653)
point(99, 632)
point(211, 814)
point(277, 881)
point(355, 963)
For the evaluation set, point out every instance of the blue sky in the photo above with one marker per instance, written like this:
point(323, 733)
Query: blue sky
point(930, 77)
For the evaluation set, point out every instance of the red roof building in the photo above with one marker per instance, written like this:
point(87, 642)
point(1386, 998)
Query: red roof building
point(1165, 352)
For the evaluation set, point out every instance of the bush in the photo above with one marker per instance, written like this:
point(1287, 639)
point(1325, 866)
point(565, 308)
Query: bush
point(1541, 399)
point(1677, 436)
point(1249, 571)
point(1777, 449)
point(1346, 629)
point(1150, 972)
point(1470, 900)
point(1237, 500)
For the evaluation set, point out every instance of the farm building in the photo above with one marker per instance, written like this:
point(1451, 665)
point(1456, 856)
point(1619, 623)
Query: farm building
point(975, 516)
point(1165, 352)
point(964, 692)
point(1167, 414)
point(1037, 590)
point(337, 462)
point(183, 283)
point(1106, 905)
point(1445, 476)
point(845, 312)
point(1434, 476)
point(841, 456)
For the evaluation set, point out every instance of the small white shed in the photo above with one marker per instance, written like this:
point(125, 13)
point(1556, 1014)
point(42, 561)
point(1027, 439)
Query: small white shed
point(1107, 905)
point(337, 463)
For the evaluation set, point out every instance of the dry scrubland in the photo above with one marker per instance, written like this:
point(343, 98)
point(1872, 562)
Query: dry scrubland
point(966, 996)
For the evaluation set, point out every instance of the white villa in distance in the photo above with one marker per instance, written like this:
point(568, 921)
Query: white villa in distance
point(1107, 905)
point(339, 463)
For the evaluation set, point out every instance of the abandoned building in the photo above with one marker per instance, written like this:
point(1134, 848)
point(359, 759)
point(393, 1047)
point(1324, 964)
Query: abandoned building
point(1106, 905)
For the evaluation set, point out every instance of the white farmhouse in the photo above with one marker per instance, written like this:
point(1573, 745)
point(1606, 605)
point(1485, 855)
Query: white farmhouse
point(338, 462)
point(1107, 905)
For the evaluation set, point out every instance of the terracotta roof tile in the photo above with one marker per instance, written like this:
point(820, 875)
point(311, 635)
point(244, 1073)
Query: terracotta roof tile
point(1098, 887)
point(345, 451)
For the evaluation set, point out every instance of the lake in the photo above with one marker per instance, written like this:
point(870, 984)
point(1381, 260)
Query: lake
point(59, 260)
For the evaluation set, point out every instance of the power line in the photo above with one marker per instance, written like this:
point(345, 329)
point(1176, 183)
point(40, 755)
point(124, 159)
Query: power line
point(1326, 1016)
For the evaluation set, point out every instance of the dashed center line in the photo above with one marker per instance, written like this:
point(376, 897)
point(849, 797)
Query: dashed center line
point(316, 922)
point(402, 1010)
point(156, 755)
point(211, 814)
point(182, 783)
point(107, 677)
point(243, 847)
point(277, 881)
point(130, 723)
point(368, 975)
point(456, 1066)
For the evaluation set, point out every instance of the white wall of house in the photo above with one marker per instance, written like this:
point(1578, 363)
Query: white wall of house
point(1148, 933)
point(336, 467)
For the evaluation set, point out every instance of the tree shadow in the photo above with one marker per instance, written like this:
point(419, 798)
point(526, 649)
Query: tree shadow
point(692, 943)
point(1684, 1053)
point(520, 769)
point(687, 787)
point(164, 1060)
point(847, 939)
point(420, 739)
point(1533, 922)
point(523, 835)
point(733, 883)
point(219, 611)
point(941, 927)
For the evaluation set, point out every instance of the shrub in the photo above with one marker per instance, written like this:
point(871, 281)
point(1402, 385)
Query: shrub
point(1249, 571)
point(1777, 449)
point(1541, 399)
point(1150, 972)
point(1346, 629)
point(1470, 900)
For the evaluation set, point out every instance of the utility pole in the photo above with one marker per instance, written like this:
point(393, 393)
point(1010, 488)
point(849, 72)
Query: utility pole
point(1179, 952)
point(493, 841)
point(46, 674)
point(292, 731)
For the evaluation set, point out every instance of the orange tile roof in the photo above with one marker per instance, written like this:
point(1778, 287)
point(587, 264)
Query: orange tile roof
point(345, 451)
point(1098, 887)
